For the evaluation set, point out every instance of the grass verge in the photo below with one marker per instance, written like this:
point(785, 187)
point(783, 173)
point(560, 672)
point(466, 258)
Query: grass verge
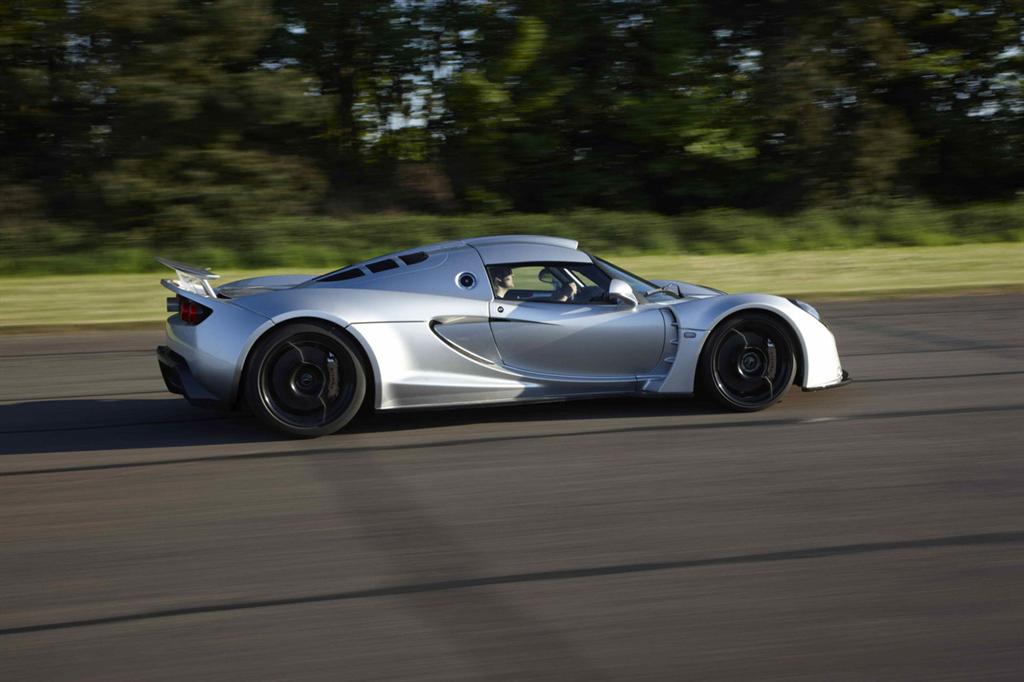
point(34, 303)
point(318, 242)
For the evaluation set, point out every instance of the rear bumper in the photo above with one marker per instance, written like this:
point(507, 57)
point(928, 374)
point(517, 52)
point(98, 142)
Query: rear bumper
point(179, 379)
point(842, 382)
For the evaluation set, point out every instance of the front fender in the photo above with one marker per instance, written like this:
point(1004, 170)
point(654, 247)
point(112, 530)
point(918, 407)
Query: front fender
point(698, 317)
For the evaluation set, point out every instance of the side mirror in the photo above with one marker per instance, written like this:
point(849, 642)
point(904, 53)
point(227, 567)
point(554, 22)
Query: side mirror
point(620, 292)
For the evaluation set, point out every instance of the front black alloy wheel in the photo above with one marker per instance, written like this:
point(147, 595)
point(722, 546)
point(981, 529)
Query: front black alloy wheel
point(305, 379)
point(749, 361)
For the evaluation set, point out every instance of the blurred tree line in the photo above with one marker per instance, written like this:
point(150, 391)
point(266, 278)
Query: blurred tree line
point(176, 113)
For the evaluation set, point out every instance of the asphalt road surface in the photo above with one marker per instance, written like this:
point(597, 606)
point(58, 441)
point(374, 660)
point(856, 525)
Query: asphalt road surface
point(874, 532)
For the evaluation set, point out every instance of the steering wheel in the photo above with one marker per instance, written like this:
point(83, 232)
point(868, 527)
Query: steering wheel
point(570, 291)
point(588, 295)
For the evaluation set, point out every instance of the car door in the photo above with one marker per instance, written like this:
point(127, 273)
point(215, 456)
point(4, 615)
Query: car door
point(594, 339)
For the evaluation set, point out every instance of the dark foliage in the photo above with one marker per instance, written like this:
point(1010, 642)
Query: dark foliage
point(171, 116)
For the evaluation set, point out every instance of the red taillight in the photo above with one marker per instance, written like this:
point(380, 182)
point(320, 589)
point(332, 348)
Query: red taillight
point(191, 312)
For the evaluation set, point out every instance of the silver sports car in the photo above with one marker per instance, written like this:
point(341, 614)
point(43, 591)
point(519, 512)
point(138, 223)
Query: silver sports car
point(476, 321)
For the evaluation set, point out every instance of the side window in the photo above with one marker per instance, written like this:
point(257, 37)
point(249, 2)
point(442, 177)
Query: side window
point(516, 282)
point(584, 278)
point(581, 283)
point(535, 279)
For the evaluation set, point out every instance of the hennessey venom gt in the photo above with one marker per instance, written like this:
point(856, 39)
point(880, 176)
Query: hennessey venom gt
point(478, 321)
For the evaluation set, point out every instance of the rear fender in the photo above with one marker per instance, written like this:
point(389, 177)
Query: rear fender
point(370, 360)
point(215, 348)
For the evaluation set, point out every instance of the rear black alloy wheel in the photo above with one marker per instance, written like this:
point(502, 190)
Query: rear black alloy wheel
point(749, 361)
point(306, 380)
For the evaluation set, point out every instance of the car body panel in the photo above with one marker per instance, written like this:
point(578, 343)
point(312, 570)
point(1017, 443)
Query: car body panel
point(607, 340)
point(468, 334)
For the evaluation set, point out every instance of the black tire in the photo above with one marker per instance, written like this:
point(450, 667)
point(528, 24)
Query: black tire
point(305, 379)
point(748, 362)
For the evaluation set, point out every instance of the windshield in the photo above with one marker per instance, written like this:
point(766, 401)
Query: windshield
point(639, 285)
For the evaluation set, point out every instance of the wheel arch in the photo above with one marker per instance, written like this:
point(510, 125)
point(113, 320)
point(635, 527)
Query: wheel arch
point(366, 358)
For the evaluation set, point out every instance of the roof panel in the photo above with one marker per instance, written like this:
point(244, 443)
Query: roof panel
point(524, 239)
point(521, 252)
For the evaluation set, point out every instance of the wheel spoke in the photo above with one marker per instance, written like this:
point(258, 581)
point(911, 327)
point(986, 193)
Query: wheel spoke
point(291, 356)
point(297, 349)
point(315, 355)
point(737, 332)
point(324, 406)
point(283, 367)
point(732, 347)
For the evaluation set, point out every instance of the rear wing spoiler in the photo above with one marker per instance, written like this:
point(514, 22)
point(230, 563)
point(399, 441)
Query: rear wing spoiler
point(190, 278)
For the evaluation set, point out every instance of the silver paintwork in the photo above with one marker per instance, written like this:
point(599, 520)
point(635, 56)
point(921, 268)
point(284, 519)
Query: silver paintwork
point(613, 341)
point(526, 252)
point(261, 285)
point(431, 342)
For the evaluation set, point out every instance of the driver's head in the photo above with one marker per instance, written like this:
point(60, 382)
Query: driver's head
point(502, 276)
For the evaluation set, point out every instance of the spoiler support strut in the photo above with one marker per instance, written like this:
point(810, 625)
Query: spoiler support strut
point(191, 278)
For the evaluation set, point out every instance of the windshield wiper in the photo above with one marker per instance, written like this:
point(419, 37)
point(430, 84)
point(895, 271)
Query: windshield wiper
point(664, 290)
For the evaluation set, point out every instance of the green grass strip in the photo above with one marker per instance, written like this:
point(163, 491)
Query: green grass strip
point(75, 301)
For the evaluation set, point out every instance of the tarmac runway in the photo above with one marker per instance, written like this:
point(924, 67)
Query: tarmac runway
point(874, 532)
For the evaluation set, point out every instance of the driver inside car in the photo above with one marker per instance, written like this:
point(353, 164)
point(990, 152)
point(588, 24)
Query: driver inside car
point(503, 280)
